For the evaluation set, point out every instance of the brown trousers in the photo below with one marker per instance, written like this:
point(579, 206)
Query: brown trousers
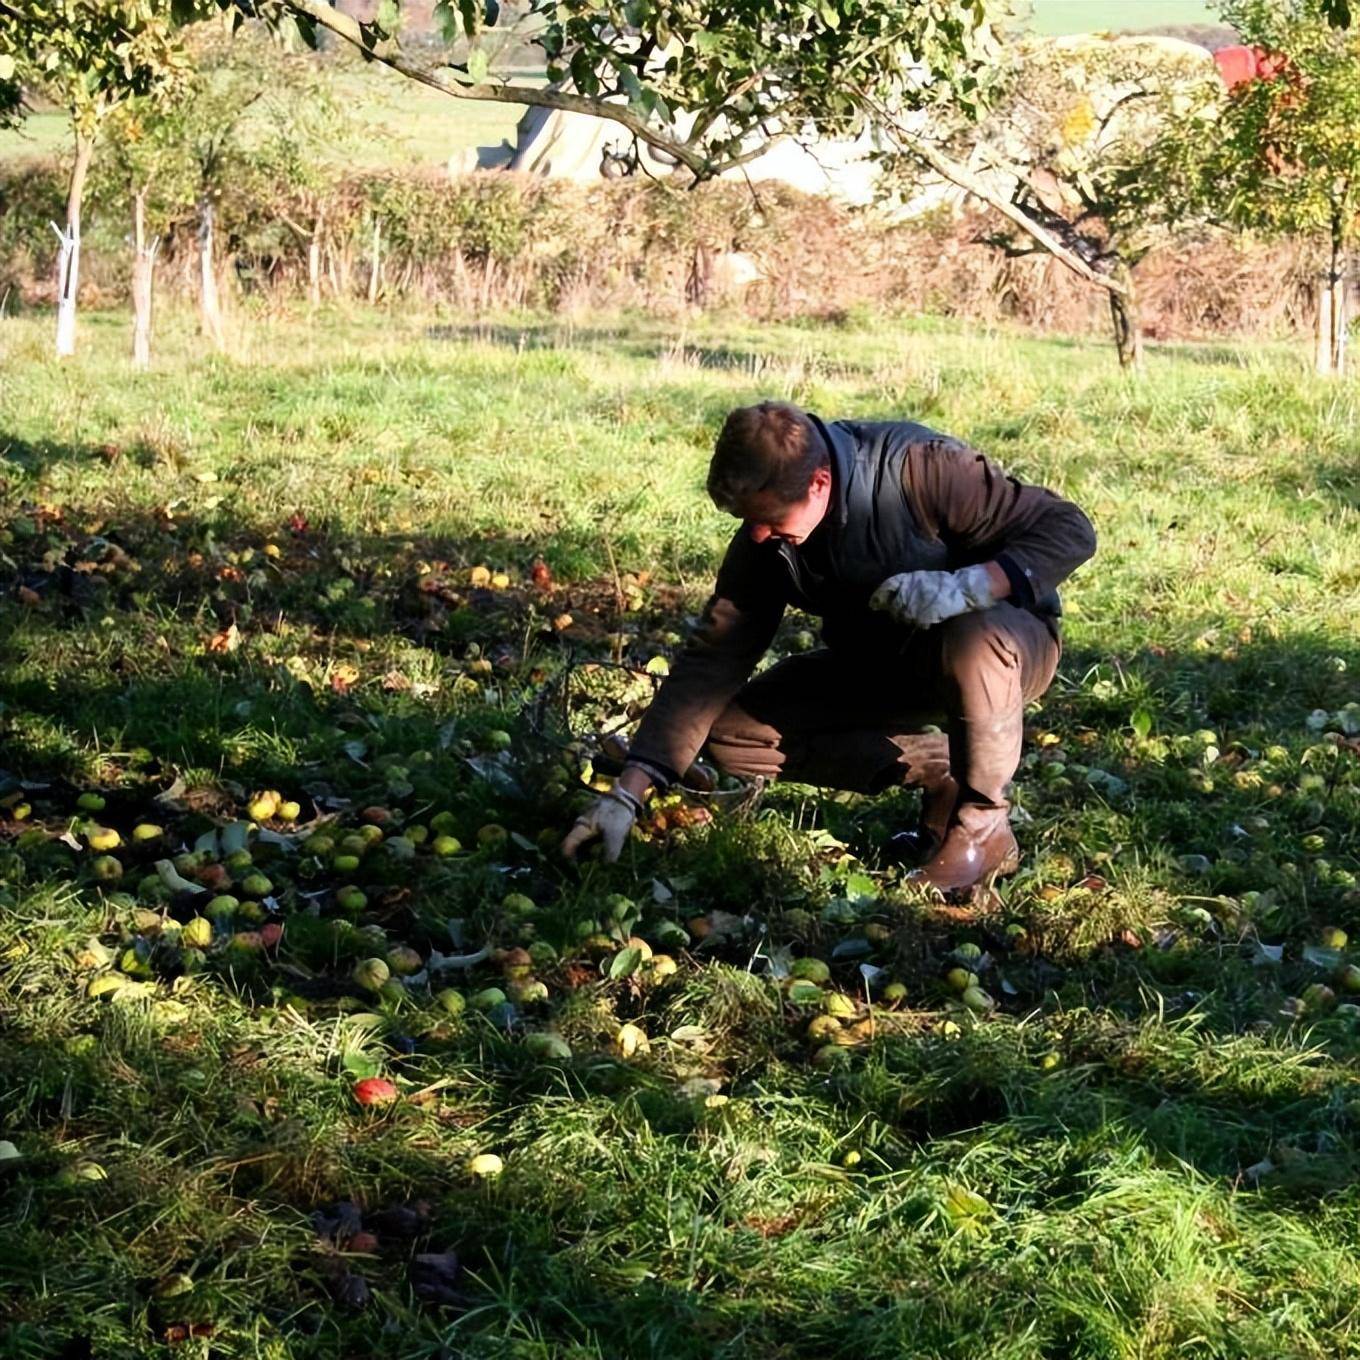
point(838, 722)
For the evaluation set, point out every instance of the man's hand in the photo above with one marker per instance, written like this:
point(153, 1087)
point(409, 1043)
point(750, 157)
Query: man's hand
point(610, 817)
point(925, 598)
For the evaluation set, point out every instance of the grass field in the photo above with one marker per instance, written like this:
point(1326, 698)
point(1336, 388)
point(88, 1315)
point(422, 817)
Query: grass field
point(257, 572)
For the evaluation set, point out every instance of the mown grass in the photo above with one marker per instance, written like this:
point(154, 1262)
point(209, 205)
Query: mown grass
point(1149, 1149)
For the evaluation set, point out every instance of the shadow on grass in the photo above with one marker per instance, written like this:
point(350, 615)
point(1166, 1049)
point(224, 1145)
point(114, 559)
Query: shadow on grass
point(675, 345)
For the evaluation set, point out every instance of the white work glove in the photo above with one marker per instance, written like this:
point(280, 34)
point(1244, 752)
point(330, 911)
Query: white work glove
point(925, 598)
point(610, 817)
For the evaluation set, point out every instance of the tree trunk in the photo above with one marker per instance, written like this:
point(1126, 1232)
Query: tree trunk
point(143, 275)
point(375, 271)
point(1330, 355)
point(68, 259)
point(314, 259)
point(1128, 335)
point(209, 302)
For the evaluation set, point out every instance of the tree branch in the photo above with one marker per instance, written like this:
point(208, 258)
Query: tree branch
point(963, 178)
point(387, 52)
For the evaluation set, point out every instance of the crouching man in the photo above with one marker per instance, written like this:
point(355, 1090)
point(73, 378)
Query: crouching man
point(935, 577)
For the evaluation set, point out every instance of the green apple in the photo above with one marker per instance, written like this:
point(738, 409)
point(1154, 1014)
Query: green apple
point(499, 740)
point(146, 831)
point(960, 979)
point(487, 998)
point(977, 1000)
point(894, 992)
point(404, 960)
point(485, 1165)
point(288, 810)
point(225, 905)
point(492, 836)
point(1333, 937)
point(256, 885)
point(106, 868)
point(371, 974)
point(454, 1002)
point(351, 899)
point(839, 1005)
point(547, 1045)
point(810, 970)
point(90, 802)
point(445, 846)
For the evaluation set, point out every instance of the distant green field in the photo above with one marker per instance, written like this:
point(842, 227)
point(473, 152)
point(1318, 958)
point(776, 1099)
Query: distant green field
point(1091, 16)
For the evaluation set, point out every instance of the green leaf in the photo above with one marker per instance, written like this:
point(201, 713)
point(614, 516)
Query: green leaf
point(478, 64)
point(445, 21)
point(388, 15)
point(1141, 722)
point(360, 1065)
point(625, 963)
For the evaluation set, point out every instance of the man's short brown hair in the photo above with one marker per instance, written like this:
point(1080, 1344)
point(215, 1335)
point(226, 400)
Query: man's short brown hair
point(768, 451)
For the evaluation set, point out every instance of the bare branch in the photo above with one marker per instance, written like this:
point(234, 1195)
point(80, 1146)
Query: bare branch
point(965, 179)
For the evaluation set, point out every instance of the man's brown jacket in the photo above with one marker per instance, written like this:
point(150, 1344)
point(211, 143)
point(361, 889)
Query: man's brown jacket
point(903, 498)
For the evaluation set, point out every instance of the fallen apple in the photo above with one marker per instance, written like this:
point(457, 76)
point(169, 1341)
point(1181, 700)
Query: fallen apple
point(90, 802)
point(404, 960)
point(345, 864)
point(487, 998)
point(271, 933)
point(146, 831)
point(197, 933)
point(452, 1001)
point(351, 899)
point(263, 806)
point(371, 974)
point(106, 868)
point(1333, 937)
point(485, 1165)
point(631, 1040)
point(374, 1091)
point(492, 835)
point(810, 970)
point(445, 846)
point(288, 811)
point(103, 838)
point(545, 1044)
point(977, 1000)
point(894, 992)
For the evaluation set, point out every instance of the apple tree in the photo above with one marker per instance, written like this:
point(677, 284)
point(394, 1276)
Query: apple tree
point(89, 56)
point(1278, 151)
point(707, 86)
point(1066, 145)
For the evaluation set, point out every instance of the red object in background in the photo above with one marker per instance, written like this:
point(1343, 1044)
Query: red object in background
point(1236, 65)
point(1241, 65)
